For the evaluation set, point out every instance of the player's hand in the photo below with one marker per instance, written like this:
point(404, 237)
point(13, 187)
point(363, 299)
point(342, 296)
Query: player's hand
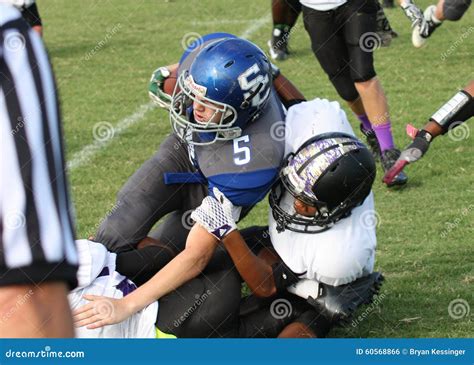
point(155, 88)
point(215, 215)
point(414, 151)
point(100, 312)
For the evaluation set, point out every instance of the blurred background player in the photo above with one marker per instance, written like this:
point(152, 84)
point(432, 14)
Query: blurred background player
point(284, 15)
point(451, 115)
point(29, 12)
point(433, 17)
point(38, 260)
point(344, 46)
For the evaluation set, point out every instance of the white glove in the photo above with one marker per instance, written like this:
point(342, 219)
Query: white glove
point(215, 215)
point(155, 88)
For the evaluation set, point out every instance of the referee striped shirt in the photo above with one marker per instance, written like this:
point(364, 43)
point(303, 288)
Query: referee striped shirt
point(36, 224)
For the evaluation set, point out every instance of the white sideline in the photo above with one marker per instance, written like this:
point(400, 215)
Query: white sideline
point(83, 156)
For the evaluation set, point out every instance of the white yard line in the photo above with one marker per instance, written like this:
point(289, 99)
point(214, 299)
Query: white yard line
point(83, 156)
point(256, 26)
point(88, 152)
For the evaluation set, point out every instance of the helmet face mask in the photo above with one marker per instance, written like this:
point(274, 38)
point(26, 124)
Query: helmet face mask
point(231, 79)
point(220, 124)
point(333, 173)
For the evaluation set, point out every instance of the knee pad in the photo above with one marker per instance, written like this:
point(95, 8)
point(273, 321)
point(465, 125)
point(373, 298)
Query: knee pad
point(455, 9)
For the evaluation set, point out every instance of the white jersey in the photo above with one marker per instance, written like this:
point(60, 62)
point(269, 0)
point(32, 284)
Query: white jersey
point(97, 276)
point(347, 250)
point(323, 5)
point(18, 3)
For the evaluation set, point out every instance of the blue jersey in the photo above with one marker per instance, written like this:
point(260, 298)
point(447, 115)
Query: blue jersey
point(244, 168)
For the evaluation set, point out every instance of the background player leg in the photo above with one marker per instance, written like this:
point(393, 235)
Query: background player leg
point(285, 14)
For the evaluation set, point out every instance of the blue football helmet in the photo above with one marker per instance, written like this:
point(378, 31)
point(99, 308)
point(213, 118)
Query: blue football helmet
point(231, 76)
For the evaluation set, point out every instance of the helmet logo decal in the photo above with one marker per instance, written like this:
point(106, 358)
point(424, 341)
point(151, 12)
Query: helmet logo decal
point(252, 87)
point(195, 88)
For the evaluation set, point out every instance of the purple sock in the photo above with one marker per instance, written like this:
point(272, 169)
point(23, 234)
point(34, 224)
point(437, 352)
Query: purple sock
point(365, 122)
point(384, 136)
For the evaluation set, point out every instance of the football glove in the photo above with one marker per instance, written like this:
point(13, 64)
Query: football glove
point(215, 215)
point(155, 88)
point(414, 14)
point(414, 151)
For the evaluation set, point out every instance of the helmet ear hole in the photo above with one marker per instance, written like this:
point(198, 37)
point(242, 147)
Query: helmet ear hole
point(228, 64)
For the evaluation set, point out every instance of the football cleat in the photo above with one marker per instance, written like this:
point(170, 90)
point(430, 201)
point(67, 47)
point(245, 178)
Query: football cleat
point(383, 29)
point(422, 32)
point(338, 303)
point(278, 45)
point(372, 141)
point(388, 159)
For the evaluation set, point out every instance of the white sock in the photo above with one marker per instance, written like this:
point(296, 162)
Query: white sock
point(435, 19)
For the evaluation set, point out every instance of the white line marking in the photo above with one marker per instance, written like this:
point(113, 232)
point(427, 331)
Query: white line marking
point(87, 153)
point(83, 156)
point(256, 26)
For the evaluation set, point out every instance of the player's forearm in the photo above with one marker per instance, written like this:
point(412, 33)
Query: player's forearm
point(455, 111)
point(470, 88)
point(256, 272)
point(287, 91)
point(184, 267)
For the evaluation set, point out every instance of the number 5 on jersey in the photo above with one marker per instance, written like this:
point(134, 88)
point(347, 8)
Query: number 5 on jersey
point(241, 152)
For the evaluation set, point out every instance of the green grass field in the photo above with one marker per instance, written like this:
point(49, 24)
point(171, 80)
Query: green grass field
point(103, 53)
